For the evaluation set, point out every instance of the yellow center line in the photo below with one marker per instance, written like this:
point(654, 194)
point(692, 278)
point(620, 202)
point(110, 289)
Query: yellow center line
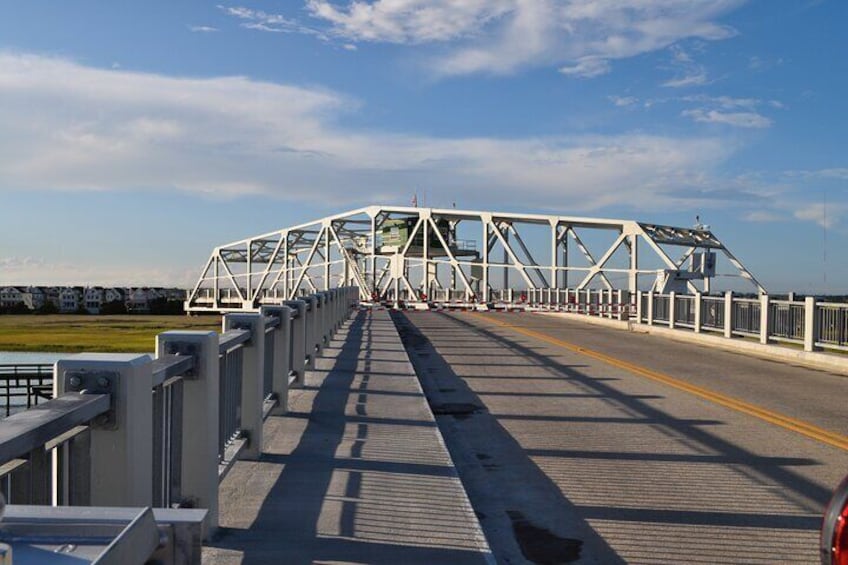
point(798, 426)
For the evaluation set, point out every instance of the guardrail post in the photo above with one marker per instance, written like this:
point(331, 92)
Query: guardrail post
point(122, 441)
point(331, 315)
point(810, 326)
point(252, 377)
point(764, 318)
point(728, 314)
point(623, 298)
point(282, 368)
point(312, 330)
point(638, 306)
point(326, 318)
point(298, 340)
point(651, 308)
point(672, 310)
point(338, 311)
point(200, 410)
point(698, 312)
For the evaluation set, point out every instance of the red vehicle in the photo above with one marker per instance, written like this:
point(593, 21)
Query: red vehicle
point(834, 535)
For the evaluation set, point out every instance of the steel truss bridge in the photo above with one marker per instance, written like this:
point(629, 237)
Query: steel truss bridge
point(426, 255)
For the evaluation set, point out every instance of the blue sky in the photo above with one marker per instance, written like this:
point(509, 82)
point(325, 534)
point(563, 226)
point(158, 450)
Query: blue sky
point(136, 136)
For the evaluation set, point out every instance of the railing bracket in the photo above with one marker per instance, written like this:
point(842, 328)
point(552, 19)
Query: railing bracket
point(97, 382)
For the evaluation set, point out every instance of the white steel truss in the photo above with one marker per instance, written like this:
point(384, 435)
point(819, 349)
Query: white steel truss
point(416, 255)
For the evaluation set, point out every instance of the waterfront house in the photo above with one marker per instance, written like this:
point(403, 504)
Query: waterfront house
point(11, 296)
point(70, 298)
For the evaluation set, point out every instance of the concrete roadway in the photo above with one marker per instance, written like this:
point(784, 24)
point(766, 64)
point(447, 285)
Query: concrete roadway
point(643, 449)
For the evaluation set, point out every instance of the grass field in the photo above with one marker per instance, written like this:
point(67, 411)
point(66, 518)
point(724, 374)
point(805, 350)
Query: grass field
point(106, 334)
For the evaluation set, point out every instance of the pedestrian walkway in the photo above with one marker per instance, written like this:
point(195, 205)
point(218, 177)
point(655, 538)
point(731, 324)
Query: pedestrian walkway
point(355, 472)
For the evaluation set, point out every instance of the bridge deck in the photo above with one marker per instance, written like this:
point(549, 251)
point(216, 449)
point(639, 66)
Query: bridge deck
point(573, 441)
point(584, 433)
point(357, 470)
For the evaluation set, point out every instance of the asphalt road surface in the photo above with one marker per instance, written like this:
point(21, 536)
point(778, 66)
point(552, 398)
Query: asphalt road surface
point(580, 443)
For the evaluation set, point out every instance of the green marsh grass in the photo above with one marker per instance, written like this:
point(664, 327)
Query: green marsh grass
point(106, 334)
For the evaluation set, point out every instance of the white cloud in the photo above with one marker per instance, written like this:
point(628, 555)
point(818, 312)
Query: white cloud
point(587, 67)
point(202, 29)
point(736, 119)
point(697, 78)
point(827, 216)
point(689, 73)
point(263, 21)
point(623, 101)
point(38, 271)
point(580, 37)
point(71, 127)
point(410, 21)
point(762, 216)
point(836, 173)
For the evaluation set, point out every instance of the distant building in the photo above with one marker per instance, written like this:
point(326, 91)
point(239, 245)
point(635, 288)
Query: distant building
point(70, 298)
point(11, 296)
point(93, 299)
point(138, 300)
point(34, 297)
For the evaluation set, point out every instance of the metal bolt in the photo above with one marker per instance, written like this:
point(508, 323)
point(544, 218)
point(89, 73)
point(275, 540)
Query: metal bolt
point(75, 382)
point(103, 382)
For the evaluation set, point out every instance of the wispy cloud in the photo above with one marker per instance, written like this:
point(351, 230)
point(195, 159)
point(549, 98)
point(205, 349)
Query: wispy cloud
point(827, 216)
point(756, 63)
point(736, 119)
point(587, 67)
point(72, 127)
point(264, 21)
point(688, 72)
point(762, 216)
point(623, 101)
point(579, 37)
point(737, 112)
point(696, 78)
point(202, 29)
point(39, 271)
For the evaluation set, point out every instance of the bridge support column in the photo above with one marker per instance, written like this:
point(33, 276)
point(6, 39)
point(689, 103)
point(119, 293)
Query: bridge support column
point(121, 446)
point(201, 412)
point(252, 379)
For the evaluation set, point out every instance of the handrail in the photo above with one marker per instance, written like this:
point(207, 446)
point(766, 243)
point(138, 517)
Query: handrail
point(132, 438)
point(231, 339)
point(25, 431)
point(168, 366)
point(813, 323)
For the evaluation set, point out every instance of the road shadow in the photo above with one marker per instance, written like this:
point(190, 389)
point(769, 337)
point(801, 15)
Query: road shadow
point(444, 386)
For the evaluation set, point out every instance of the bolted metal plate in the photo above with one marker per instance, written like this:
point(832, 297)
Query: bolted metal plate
point(96, 382)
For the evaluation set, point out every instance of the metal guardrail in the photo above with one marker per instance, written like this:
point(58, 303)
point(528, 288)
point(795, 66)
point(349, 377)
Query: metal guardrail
point(162, 432)
point(810, 323)
point(24, 385)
